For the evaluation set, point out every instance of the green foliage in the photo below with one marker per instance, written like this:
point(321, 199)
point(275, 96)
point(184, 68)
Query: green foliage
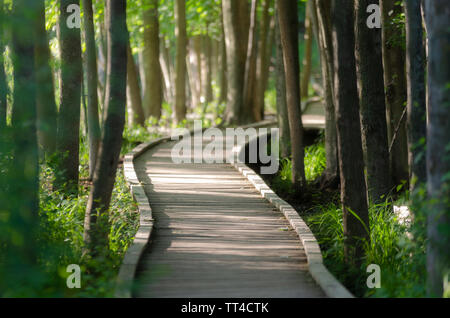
point(315, 161)
point(136, 134)
point(399, 250)
point(60, 238)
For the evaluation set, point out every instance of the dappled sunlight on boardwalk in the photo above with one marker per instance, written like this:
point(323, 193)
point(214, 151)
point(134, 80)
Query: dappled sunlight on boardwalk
point(214, 235)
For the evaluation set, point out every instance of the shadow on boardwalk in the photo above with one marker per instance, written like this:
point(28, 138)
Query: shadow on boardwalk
point(214, 235)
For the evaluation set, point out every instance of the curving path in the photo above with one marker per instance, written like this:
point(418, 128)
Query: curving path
point(215, 236)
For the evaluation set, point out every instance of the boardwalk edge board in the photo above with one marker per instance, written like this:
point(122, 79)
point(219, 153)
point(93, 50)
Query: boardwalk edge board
point(329, 284)
point(132, 256)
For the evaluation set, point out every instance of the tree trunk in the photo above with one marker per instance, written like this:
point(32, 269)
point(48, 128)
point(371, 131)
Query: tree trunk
point(438, 146)
point(24, 170)
point(153, 93)
point(95, 226)
point(323, 14)
point(283, 119)
point(417, 109)
point(207, 69)
point(223, 66)
point(45, 102)
point(3, 84)
point(180, 60)
point(251, 81)
point(235, 39)
point(263, 62)
point(351, 161)
point(167, 73)
point(68, 137)
point(395, 85)
point(369, 62)
point(288, 20)
point(136, 114)
point(92, 81)
point(307, 59)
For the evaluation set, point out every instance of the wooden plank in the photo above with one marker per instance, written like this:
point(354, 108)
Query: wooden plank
point(215, 236)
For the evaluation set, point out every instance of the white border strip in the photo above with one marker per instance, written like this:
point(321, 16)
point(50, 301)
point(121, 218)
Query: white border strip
point(131, 259)
point(329, 284)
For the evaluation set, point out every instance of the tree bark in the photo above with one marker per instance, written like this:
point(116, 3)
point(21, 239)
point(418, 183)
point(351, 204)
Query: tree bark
point(136, 115)
point(95, 226)
point(417, 109)
point(282, 112)
point(351, 161)
point(207, 69)
point(438, 146)
point(223, 66)
point(307, 59)
point(288, 20)
point(92, 88)
point(68, 136)
point(369, 62)
point(263, 62)
point(153, 93)
point(180, 63)
point(24, 170)
point(323, 13)
point(3, 84)
point(45, 102)
point(395, 86)
point(167, 73)
point(236, 40)
point(250, 83)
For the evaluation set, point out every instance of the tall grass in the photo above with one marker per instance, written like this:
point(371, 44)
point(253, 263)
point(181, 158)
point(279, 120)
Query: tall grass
point(392, 246)
point(399, 249)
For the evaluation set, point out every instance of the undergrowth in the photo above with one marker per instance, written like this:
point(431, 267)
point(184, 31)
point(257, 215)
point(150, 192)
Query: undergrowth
point(398, 248)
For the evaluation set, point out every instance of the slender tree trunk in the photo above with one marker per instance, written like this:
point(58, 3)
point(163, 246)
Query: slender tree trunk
point(369, 62)
point(24, 171)
point(167, 72)
point(307, 59)
point(417, 109)
point(395, 85)
point(263, 62)
point(236, 38)
point(133, 91)
point(282, 112)
point(3, 84)
point(288, 20)
point(198, 68)
point(223, 66)
point(207, 68)
point(351, 161)
point(323, 14)
point(438, 146)
point(180, 60)
point(250, 82)
point(153, 93)
point(68, 137)
point(45, 103)
point(92, 81)
point(96, 233)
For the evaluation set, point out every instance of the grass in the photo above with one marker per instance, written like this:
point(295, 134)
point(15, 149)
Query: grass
point(398, 249)
point(315, 164)
point(60, 236)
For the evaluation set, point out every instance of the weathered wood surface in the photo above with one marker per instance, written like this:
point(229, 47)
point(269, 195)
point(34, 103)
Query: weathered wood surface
point(214, 235)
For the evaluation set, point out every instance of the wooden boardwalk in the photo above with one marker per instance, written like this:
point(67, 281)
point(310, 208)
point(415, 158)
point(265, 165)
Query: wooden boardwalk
point(214, 235)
